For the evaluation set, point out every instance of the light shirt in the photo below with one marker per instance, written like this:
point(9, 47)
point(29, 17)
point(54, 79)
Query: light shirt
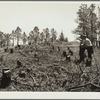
point(86, 42)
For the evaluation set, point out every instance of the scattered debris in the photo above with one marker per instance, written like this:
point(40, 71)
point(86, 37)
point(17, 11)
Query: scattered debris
point(68, 57)
point(19, 64)
point(11, 50)
point(51, 73)
point(22, 74)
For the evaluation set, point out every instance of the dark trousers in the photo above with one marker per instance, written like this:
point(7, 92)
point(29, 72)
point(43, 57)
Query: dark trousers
point(81, 53)
point(89, 50)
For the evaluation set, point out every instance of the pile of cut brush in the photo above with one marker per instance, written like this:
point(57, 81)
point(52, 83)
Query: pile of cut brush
point(44, 68)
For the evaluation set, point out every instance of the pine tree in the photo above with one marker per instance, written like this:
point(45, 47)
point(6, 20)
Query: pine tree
point(2, 39)
point(42, 36)
point(53, 35)
point(24, 38)
point(66, 39)
point(12, 36)
point(46, 34)
point(7, 39)
point(92, 23)
point(18, 34)
point(31, 37)
point(36, 34)
point(87, 21)
point(61, 37)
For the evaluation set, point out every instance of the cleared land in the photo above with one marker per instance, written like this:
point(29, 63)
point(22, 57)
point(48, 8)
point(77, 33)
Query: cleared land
point(51, 72)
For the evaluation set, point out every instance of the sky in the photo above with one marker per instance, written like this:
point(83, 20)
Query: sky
point(27, 15)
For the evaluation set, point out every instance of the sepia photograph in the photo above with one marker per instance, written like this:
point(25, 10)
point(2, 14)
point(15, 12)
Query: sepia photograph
point(49, 46)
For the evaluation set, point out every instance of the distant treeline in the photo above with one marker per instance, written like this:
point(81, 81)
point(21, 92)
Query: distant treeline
point(46, 36)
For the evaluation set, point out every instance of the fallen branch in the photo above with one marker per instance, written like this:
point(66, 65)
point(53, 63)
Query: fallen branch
point(33, 80)
point(93, 87)
point(23, 84)
point(22, 54)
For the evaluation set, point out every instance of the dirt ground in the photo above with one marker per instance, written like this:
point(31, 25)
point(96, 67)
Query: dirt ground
point(51, 72)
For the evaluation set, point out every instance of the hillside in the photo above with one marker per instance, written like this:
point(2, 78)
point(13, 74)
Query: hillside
point(49, 70)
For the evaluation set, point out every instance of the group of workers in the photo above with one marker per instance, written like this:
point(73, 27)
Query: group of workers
point(85, 46)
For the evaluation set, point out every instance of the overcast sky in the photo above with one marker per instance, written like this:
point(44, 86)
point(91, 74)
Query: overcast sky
point(27, 15)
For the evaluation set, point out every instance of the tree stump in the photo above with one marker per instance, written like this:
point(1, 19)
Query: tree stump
point(68, 57)
point(28, 70)
point(11, 50)
point(6, 78)
point(64, 53)
point(19, 64)
point(5, 49)
point(22, 74)
point(19, 46)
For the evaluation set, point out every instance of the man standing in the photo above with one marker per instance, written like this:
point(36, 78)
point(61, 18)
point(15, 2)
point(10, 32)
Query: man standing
point(85, 44)
point(88, 47)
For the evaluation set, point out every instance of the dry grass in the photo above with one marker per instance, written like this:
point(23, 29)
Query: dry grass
point(52, 72)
